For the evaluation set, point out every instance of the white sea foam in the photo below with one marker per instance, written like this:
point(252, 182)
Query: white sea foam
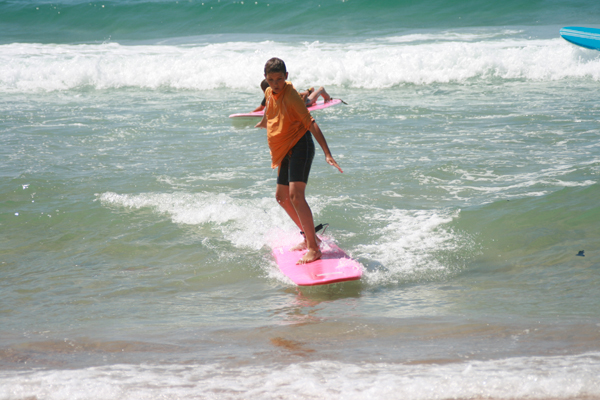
point(452, 36)
point(404, 244)
point(245, 223)
point(523, 377)
point(407, 244)
point(239, 65)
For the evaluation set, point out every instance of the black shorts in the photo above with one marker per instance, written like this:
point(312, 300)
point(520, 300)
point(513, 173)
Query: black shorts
point(295, 167)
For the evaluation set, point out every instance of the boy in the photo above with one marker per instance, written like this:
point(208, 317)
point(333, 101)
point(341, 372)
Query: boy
point(289, 126)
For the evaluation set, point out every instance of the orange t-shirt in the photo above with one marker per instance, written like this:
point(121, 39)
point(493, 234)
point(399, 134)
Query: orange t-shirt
point(287, 121)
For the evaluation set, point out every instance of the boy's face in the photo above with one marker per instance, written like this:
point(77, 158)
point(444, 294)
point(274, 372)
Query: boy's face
point(276, 81)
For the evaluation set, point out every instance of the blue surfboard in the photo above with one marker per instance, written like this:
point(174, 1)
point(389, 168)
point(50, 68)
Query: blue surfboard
point(584, 37)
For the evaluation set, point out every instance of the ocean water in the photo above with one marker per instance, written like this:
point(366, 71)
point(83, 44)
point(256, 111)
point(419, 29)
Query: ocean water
point(137, 219)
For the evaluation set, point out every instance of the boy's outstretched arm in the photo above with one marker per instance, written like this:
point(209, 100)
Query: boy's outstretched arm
point(316, 131)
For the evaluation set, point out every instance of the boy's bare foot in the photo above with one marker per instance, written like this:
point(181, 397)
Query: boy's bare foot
point(299, 246)
point(303, 245)
point(310, 256)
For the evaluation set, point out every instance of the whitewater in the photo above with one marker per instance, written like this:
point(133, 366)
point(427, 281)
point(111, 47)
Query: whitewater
point(374, 64)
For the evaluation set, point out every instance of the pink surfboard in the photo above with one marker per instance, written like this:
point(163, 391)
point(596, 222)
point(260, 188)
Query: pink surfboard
point(319, 105)
point(334, 266)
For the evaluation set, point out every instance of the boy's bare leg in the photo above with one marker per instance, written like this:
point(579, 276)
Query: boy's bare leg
point(282, 195)
point(314, 96)
point(305, 216)
point(324, 94)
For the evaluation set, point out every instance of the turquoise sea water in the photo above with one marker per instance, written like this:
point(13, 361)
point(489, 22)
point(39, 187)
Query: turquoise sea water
point(137, 219)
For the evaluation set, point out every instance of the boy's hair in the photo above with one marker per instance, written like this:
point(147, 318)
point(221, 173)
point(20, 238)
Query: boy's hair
point(264, 85)
point(275, 65)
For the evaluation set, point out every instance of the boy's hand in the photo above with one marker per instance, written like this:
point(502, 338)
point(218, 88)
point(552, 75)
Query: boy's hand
point(261, 124)
point(332, 162)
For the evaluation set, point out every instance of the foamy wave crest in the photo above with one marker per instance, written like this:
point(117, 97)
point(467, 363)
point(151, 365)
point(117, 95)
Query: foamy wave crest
point(402, 244)
point(452, 36)
point(245, 223)
point(383, 66)
point(413, 244)
point(566, 377)
point(33, 67)
point(239, 65)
